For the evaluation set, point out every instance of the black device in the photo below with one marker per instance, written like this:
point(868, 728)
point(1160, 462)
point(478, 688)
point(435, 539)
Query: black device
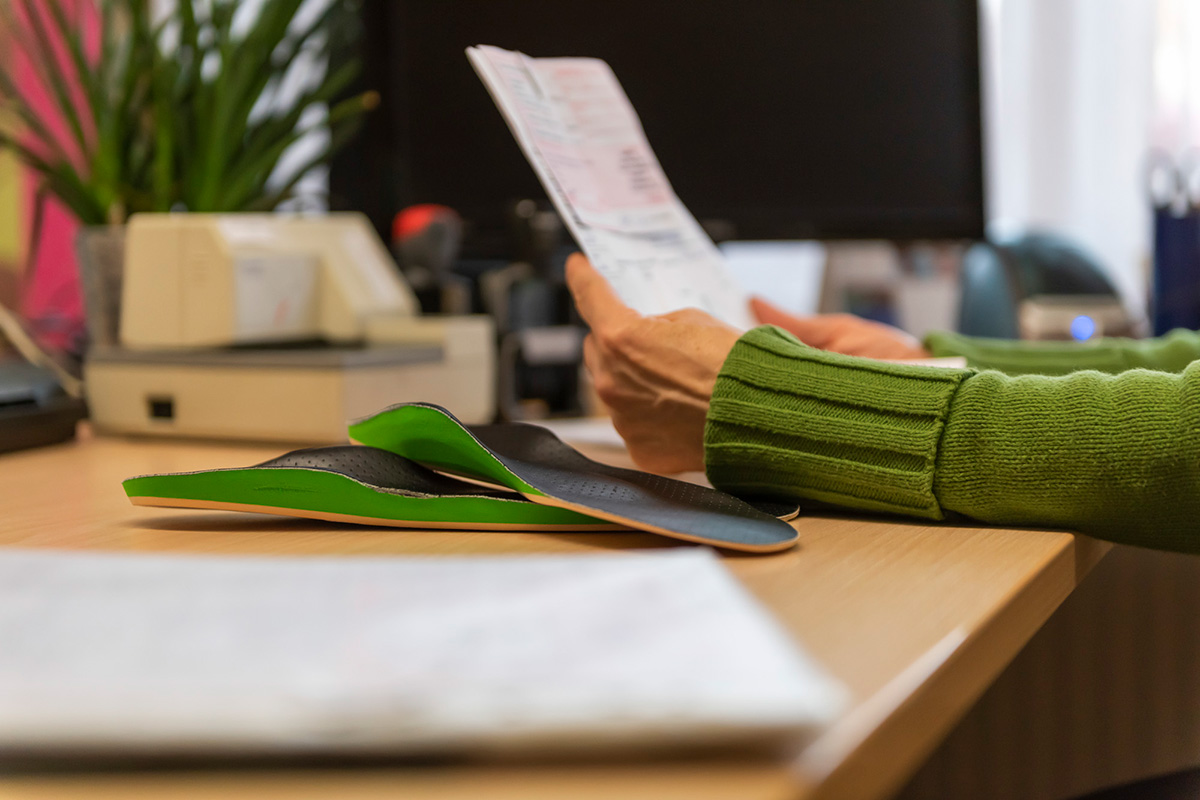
point(34, 410)
point(774, 119)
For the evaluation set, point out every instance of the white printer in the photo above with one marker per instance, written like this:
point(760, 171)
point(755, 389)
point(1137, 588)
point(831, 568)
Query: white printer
point(274, 327)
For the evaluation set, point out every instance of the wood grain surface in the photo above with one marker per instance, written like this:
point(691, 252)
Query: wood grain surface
point(916, 619)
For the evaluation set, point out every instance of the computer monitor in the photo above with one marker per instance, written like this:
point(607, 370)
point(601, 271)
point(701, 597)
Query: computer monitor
point(781, 119)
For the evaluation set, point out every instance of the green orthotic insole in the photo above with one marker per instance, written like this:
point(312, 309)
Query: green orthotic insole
point(351, 483)
point(531, 460)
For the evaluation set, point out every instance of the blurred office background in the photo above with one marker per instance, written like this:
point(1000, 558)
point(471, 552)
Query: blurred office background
point(1079, 92)
point(1074, 97)
point(1076, 94)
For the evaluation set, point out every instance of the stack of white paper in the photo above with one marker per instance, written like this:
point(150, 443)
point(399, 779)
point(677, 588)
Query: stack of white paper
point(159, 653)
point(584, 140)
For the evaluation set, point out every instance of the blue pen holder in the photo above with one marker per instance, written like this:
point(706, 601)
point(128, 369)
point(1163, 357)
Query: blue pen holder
point(1176, 270)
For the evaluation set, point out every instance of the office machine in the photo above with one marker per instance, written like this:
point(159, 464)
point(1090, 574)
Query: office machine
point(1039, 286)
point(39, 396)
point(34, 409)
point(216, 280)
point(279, 328)
point(823, 119)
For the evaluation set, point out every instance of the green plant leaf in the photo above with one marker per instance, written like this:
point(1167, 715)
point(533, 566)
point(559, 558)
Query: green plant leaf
point(71, 37)
point(20, 107)
point(44, 58)
point(266, 135)
point(163, 179)
point(342, 131)
point(35, 236)
point(61, 178)
point(178, 111)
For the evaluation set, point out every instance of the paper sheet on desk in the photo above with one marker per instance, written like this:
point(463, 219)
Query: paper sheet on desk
point(104, 652)
point(586, 144)
point(586, 431)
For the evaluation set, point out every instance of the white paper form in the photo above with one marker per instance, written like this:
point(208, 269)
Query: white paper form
point(103, 652)
point(586, 144)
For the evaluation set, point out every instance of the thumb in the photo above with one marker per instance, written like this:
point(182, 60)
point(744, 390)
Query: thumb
point(596, 300)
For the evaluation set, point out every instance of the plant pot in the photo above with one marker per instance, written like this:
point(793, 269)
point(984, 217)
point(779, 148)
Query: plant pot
point(101, 253)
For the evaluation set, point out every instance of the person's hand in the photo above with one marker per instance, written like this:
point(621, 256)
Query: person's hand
point(655, 374)
point(842, 333)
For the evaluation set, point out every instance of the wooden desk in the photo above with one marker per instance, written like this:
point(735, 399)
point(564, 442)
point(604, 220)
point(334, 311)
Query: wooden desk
point(916, 619)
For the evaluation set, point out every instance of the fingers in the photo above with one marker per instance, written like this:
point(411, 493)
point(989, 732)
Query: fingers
point(598, 304)
point(841, 333)
point(769, 313)
point(694, 316)
point(595, 366)
point(591, 357)
point(814, 331)
point(653, 451)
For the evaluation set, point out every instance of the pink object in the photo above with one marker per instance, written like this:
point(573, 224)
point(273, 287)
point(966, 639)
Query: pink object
point(52, 301)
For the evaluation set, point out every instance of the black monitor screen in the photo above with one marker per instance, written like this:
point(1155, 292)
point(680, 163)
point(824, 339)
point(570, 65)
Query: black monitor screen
point(786, 118)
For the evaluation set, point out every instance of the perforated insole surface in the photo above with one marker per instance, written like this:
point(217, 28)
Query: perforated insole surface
point(533, 461)
point(352, 483)
point(535, 446)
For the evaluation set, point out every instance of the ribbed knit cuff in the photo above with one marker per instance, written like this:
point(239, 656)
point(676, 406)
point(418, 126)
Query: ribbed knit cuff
point(790, 421)
point(1170, 353)
point(1014, 357)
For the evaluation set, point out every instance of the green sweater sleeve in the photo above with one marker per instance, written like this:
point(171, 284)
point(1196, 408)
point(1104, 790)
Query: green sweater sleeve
point(1170, 353)
point(1114, 456)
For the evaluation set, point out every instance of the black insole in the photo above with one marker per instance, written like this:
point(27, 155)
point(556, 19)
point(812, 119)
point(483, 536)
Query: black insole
point(544, 461)
point(384, 469)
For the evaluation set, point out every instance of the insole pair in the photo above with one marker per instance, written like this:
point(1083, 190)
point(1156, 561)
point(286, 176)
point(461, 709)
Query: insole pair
point(535, 482)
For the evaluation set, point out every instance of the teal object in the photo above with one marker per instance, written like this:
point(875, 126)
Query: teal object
point(997, 276)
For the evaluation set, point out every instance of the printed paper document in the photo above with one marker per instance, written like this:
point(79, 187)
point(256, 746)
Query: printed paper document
point(586, 144)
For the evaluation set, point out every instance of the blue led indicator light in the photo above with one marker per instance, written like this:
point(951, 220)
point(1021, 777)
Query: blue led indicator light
point(1082, 328)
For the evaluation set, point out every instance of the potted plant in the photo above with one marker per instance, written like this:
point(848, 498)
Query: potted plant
point(187, 106)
